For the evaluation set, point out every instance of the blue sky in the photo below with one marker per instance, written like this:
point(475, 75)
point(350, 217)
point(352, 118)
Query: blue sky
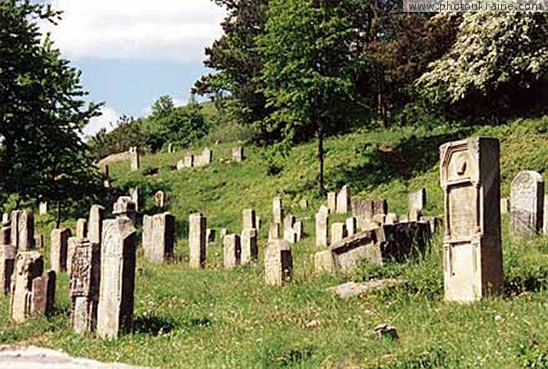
point(131, 51)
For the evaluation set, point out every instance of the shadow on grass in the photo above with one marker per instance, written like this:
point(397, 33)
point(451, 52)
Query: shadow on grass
point(153, 326)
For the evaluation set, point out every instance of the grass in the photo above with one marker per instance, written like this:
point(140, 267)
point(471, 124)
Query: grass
point(229, 319)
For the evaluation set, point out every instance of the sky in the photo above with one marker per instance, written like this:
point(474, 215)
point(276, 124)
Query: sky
point(131, 52)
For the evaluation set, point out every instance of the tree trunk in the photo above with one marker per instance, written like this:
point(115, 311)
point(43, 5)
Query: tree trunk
point(58, 215)
point(321, 186)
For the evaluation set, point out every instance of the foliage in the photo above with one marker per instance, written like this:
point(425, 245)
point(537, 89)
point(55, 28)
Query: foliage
point(41, 111)
point(127, 133)
point(498, 65)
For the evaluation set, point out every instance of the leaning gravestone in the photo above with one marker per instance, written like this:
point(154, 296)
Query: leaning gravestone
point(95, 224)
point(343, 201)
point(232, 251)
point(278, 262)
point(159, 237)
point(7, 257)
point(322, 227)
point(197, 240)
point(470, 178)
point(527, 203)
point(250, 250)
point(84, 285)
point(59, 249)
point(115, 310)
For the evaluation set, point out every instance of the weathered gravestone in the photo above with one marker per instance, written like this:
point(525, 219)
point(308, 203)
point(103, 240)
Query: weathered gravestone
point(332, 202)
point(417, 200)
point(159, 237)
point(25, 231)
point(14, 230)
point(59, 249)
point(470, 178)
point(505, 205)
point(170, 148)
point(38, 242)
point(249, 219)
point(189, 161)
point(134, 158)
point(277, 211)
point(289, 233)
point(7, 257)
point(338, 232)
point(324, 262)
point(124, 207)
point(238, 154)
point(180, 165)
point(95, 224)
point(31, 293)
point(351, 226)
point(118, 249)
point(322, 227)
point(232, 251)
point(527, 203)
point(298, 229)
point(207, 157)
point(278, 262)
point(343, 201)
point(84, 285)
point(303, 203)
point(250, 249)
point(82, 228)
point(275, 231)
point(197, 240)
point(160, 199)
point(365, 210)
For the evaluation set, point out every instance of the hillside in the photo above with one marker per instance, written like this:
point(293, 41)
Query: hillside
point(230, 319)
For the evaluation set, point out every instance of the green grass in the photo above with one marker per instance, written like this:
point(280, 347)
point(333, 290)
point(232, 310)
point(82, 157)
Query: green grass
point(229, 319)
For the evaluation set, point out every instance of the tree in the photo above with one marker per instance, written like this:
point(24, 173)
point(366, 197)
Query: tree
point(498, 66)
point(310, 69)
point(41, 111)
point(235, 84)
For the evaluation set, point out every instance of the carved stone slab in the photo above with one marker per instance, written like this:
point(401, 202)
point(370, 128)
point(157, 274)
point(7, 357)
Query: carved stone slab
point(28, 266)
point(527, 203)
point(159, 237)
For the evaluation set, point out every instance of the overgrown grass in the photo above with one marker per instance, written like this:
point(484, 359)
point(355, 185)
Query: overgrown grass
point(215, 318)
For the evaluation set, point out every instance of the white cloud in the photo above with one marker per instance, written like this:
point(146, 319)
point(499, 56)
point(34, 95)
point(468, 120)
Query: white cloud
point(107, 119)
point(158, 29)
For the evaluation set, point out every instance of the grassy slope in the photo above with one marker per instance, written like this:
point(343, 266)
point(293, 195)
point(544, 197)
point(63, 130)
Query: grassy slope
point(229, 319)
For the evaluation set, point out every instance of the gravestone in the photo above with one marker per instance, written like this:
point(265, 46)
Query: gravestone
point(134, 194)
point(365, 210)
point(95, 224)
point(250, 250)
point(417, 200)
point(238, 154)
point(338, 232)
point(289, 221)
point(249, 219)
point(43, 294)
point(351, 226)
point(118, 249)
point(81, 228)
point(322, 227)
point(134, 154)
point(170, 148)
point(232, 251)
point(298, 229)
point(343, 201)
point(324, 262)
point(332, 202)
point(29, 265)
point(14, 224)
point(180, 165)
point(278, 263)
point(25, 231)
point(222, 233)
point(159, 237)
point(277, 211)
point(7, 257)
point(124, 207)
point(470, 178)
point(207, 156)
point(527, 203)
point(160, 199)
point(197, 240)
point(43, 208)
point(59, 249)
point(275, 231)
point(84, 285)
point(189, 161)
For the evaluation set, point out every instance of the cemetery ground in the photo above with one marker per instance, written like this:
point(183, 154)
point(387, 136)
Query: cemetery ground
point(216, 318)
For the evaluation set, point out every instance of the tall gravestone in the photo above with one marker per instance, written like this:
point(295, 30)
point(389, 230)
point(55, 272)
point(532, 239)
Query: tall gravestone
point(84, 285)
point(43, 208)
point(277, 210)
point(527, 203)
point(332, 202)
point(118, 252)
point(134, 158)
point(470, 178)
point(250, 250)
point(59, 249)
point(351, 226)
point(95, 224)
point(289, 221)
point(232, 251)
point(14, 224)
point(343, 201)
point(238, 154)
point(298, 228)
point(417, 200)
point(7, 257)
point(197, 240)
point(159, 237)
point(322, 227)
point(25, 231)
point(82, 228)
point(249, 219)
point(278, 262)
